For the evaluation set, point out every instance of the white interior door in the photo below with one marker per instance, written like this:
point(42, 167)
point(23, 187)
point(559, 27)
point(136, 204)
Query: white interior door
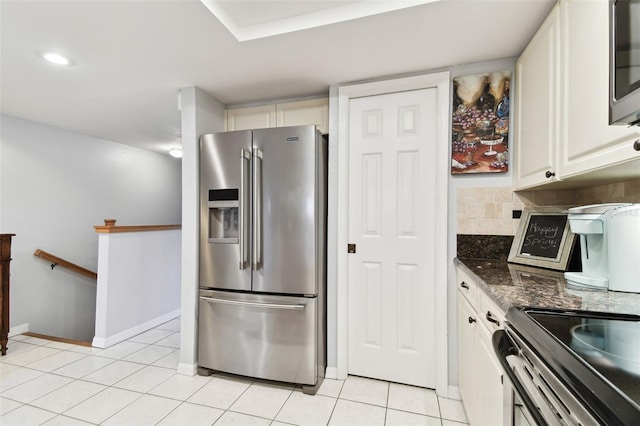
point(392, 182)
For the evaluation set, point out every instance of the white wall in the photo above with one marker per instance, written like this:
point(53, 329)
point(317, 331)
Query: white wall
point(55, 185)
point(138, 283)
point(455, 182)
point(201, 114)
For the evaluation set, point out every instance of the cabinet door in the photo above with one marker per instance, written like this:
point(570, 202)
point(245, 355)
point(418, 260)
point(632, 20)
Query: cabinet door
point(299, 113)
point(489, 392)
point(467, 366)
point(536, 107)
point(251, 118)
point(587, 141)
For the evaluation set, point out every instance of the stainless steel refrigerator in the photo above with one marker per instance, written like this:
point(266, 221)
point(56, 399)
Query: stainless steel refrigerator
point(262, 309)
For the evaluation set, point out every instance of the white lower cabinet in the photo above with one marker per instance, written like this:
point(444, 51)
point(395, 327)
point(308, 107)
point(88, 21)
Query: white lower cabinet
point(466, 343)
point(479, 372)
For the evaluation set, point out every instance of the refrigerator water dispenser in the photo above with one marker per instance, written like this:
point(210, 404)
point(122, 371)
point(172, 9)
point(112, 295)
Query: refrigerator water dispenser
point(223, 216)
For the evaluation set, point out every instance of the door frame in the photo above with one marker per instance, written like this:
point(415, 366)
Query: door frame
point(441, 81)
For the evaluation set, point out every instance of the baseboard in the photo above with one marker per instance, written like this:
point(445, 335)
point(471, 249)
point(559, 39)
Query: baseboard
point(454, 393)
point(331, 373)
point(105, 342)
point(18, 329)
point(187, 369)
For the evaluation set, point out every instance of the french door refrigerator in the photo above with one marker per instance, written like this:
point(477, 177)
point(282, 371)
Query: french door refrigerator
point(262, 310)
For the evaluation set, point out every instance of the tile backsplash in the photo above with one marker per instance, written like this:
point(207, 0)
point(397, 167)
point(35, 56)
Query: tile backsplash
point(488, 210)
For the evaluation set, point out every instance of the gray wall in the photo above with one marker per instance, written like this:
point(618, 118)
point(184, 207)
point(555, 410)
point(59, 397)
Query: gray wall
point(461, 181)
point(55, 185)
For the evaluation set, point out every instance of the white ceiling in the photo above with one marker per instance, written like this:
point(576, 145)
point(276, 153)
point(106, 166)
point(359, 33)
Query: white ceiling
point(130, 58)
point(250, 20)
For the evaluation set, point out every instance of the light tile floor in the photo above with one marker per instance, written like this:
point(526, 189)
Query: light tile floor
point(135, 383)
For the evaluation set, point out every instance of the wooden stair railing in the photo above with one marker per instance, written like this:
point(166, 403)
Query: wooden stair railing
point(58, 339)
point(59, 261)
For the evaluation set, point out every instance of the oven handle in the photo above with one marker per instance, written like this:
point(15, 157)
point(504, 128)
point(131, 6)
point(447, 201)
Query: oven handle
point(503, 347)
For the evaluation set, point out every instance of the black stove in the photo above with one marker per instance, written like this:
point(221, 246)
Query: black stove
point(595, 355)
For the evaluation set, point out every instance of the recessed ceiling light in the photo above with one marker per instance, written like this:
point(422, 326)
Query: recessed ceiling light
point(176, 152)
point(56, 58)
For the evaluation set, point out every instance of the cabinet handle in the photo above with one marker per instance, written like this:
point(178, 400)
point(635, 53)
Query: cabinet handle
point(636, 145)
point(471, 320)
point(490, 318)
point(549, 174)
point(464, 285)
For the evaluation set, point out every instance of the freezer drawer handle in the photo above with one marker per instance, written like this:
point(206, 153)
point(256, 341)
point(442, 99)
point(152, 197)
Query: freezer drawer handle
point(255, 304)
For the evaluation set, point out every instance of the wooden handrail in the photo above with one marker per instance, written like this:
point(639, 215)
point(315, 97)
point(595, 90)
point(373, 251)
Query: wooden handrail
point(58, 339)
point(134, 228)
point(111, 228)
point(59, 261)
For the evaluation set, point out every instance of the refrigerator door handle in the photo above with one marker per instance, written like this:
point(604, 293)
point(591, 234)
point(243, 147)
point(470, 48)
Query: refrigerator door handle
point(257, 209)
point(245, 156)
point(253, 304)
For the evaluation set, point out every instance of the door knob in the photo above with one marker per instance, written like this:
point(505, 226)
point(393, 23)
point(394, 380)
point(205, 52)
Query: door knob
point(471, 320)
point(549, 174)
point(636, 145)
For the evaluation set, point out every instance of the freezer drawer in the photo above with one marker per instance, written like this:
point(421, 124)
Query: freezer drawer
point(263, 336)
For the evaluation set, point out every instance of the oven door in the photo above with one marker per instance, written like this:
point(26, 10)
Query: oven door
point(539, 397)
point(520, 408)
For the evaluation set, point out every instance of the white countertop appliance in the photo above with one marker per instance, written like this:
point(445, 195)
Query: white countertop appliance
point(609, 245)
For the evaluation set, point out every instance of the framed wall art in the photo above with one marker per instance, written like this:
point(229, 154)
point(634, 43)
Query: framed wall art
point(480, 123)
point(544, 239)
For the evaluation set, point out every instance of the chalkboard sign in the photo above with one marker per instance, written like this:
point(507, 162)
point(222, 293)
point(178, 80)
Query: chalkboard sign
point(544, 239)
point(543, 235)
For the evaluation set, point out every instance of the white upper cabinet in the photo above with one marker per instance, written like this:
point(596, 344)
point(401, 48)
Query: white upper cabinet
point(589, 142)
point(258, 117)
point(311, 111)
point(296, 113)
point(562, 131)
point(536, 106)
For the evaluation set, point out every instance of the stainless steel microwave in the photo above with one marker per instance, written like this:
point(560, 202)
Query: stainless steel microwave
point(624, 62)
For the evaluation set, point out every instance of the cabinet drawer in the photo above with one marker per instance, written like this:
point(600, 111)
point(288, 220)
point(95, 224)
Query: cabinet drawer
point(466, 286)
point(490, 314)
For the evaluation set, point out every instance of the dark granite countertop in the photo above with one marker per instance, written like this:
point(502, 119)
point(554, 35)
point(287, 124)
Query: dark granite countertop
point(518, 285)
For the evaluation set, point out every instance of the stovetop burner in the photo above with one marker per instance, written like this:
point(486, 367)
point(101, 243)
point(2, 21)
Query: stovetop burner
point(608, 343)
